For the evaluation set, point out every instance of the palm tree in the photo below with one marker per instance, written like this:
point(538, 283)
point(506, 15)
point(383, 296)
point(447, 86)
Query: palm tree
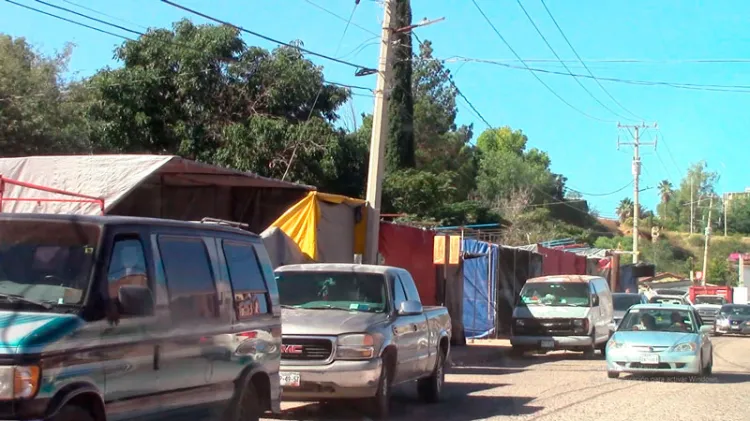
point(625, 209)
point(665, 190)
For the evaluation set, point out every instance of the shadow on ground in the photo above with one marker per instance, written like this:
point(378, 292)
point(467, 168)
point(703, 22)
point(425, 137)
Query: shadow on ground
point(461, 402)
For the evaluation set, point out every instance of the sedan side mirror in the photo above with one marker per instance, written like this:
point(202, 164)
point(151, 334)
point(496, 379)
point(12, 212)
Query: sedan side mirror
point(706, 329)
point(409, 308)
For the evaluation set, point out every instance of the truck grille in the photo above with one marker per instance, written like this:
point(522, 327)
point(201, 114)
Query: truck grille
point(306, 349)
point(708, 315)
point(546, 327)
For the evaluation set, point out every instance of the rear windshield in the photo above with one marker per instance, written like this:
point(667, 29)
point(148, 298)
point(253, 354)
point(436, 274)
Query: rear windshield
point(575, 294)
point(46, 261)
point(624, 302)
point(338, 290)
point(666, 300)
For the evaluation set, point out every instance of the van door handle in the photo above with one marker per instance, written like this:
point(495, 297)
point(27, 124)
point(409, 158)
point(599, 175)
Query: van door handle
point(157, 356)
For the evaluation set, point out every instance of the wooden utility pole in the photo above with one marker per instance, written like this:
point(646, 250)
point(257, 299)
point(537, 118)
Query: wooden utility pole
point(378, 139)
point(708, 234)
point(636, 168)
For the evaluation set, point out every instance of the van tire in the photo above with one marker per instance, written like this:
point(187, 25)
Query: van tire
point(73, 413)
point(245, 406)
point(430, 388)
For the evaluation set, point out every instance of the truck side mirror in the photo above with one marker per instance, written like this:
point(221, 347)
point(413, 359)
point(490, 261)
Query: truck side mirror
point(136, 300)
point(409, 308)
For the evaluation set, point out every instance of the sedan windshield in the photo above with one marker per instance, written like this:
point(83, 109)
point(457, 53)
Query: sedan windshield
point(736, 310)
point(556, 294)
point(658, 320)
point(45, 263)
point(332, 290)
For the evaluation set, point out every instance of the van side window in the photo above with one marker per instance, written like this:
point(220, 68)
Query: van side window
point(399, 295)
point(248, 286)
point(190, 280)
point(127, 265)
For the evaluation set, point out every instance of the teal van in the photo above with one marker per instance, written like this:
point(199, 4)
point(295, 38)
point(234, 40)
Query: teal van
point(114, 318)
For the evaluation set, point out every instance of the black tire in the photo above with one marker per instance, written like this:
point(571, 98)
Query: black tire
point(517, 352)
point(589, 352)
point(613, 374)
point(380, 404)
point(603, 349)
point(430, 389)
point(246, 405)
point(709, 368)
point(73, 413)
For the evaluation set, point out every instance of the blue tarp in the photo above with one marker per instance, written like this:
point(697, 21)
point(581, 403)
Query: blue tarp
point(480, 272)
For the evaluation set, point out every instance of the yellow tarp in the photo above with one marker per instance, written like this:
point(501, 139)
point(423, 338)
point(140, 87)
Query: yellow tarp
point(300, 222)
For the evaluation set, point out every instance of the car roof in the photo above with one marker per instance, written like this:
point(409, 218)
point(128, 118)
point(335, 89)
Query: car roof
point(110, 220)
point(622, 294)
point(338, 267)
point(657, 306)
point(564, 278)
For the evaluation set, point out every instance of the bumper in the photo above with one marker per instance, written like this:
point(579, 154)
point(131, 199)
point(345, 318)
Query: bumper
point(338, 380)
point(669, 363)
point(552, 342)
point(739, 329)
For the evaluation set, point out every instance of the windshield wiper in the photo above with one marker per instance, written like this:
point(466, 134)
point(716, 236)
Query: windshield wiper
point(288, 306)
point(21, 299)
point(325, 307)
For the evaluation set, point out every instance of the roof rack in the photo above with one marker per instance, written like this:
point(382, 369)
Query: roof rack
point(235, 224)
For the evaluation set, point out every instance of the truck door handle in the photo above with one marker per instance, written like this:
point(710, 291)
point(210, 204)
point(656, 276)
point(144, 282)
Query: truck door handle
point(414, 327)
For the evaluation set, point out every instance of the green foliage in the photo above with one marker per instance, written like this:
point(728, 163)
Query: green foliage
point(399, 151)
point(738, 216)
point(720, 272)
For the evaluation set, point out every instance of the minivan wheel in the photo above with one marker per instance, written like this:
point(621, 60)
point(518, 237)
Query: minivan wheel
point(73, 413)
point(245, 406)
point(430, 388)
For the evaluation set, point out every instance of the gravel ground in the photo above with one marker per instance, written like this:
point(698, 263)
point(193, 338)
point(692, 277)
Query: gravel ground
point(565, 386)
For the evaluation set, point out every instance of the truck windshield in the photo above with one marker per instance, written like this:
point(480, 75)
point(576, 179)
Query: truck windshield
point(624, 302)
point(710, 299)
point(44, 264)
point(555, 294)
point(332, 290)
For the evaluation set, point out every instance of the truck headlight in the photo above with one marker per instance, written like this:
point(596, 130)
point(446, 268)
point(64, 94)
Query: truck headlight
point(17, 382)
point(359, 346)
point(685, 347)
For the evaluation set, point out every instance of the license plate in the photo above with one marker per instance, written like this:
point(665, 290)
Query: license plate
point(289, 379)
point(548, 344)
point(649, 359)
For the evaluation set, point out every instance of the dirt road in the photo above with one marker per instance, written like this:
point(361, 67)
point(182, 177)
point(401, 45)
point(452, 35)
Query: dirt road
point(567, 387)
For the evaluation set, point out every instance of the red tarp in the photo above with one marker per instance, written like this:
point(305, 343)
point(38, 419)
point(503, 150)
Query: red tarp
point(559, 262)
point(410, 248)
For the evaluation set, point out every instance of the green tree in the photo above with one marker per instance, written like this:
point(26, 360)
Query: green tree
point(400, 147)
point(37, 113)
point(738, 215)
point(702, 182)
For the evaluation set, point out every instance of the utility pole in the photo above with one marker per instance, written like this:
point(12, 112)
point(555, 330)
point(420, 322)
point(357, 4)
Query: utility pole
point(708, 234)
point(377, 141)
point(636, 169)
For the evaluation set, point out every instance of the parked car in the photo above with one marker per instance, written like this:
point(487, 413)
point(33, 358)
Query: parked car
point(356, 331)
point(733, 318)
point(669, 299)
point(622, 301)
point(571, 312)
point(660, 338)
point(127, 318)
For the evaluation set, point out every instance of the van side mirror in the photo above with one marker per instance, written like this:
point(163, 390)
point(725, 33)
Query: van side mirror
point(136, 300)
point(594, 300)
point(410, 308)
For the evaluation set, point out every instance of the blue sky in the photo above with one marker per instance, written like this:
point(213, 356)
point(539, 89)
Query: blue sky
point(666, 36)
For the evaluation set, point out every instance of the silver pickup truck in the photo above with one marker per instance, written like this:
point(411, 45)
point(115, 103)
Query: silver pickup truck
point(355, 331)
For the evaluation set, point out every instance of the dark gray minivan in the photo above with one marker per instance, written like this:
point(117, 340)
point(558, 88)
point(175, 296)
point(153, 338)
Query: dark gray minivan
point(110, 318)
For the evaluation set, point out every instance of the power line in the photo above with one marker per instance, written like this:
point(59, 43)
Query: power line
point(70, 20)
point(538, 31)
point(507, 44)
point(678, 85)
point(601, 194)
point(584, 64)
point(72, 3)
point(114, 25)
point(360, 69)
point(334, 14)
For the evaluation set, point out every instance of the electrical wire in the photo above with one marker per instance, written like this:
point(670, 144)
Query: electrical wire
point(334, 14)
point(536, 76)
point(72, 3)
point(578, 81)
point(601, 194)
point(570, 44)
point(359, 68)
point(70, 20)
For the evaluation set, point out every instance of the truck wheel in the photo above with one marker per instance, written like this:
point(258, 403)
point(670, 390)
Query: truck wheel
point(517, 352)
point(73, 413)
point(431, 388)
point(613, 374)
point(380, 404)
point(245, 406)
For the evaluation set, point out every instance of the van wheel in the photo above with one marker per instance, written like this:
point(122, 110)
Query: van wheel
point(73, 413)
point(245, 406)
point(430, 388)
point(380, 404)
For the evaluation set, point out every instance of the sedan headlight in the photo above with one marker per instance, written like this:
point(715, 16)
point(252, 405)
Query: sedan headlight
point(685, 347)
point(359, 346)
point(18, 382)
